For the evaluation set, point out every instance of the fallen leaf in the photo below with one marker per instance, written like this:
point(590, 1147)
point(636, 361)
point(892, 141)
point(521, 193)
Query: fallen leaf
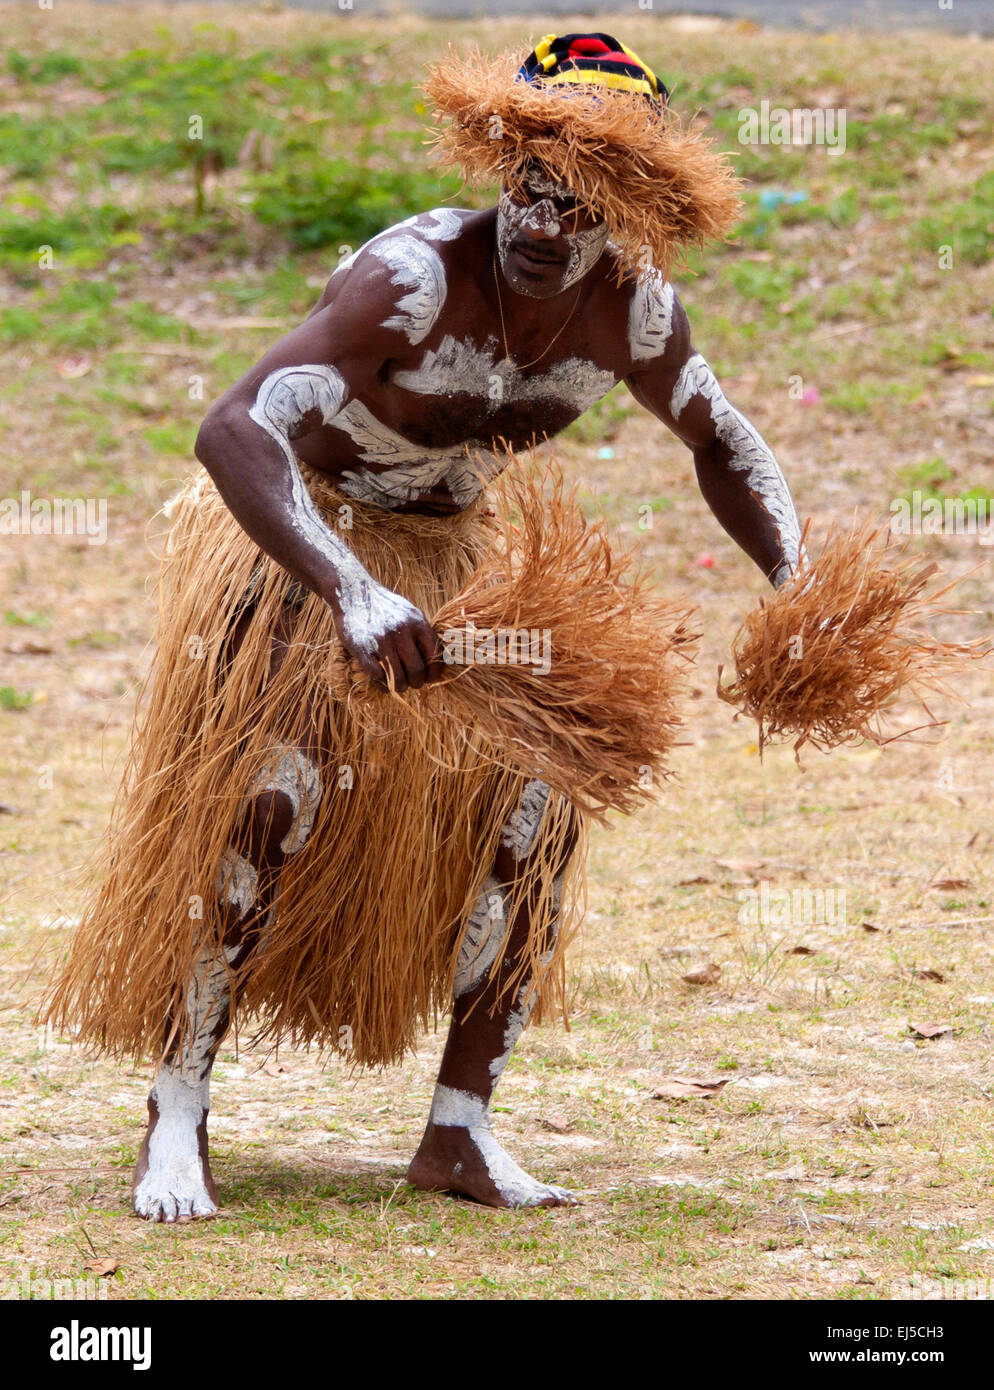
point(71, 367)
point(28, 646)
point(935, 975)
point(948, 885)
point(930, 1030)
point(556, 1122)
point(677, 1088)
point(742, 866)
point(102, 1266)
point(868, 926)
point(690, 882)
point(708, 974)
point(801, 951)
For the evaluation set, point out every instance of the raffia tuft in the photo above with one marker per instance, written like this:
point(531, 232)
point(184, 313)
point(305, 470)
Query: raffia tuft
point(825, 659)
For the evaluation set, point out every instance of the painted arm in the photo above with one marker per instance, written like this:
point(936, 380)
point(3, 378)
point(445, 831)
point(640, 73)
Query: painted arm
point(736, 471)
point(246, 444)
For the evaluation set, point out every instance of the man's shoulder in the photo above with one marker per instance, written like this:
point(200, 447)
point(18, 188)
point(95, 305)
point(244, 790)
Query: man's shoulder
point(657, 323)
point(402, 272)
point(430, 230)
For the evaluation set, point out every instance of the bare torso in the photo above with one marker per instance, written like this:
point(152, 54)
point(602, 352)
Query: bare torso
point(405, 441)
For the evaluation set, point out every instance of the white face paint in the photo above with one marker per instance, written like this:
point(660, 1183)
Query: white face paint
point(286, 396)
point(584, 248)
point(650, 316)
point(749, 455)
point(510, 216)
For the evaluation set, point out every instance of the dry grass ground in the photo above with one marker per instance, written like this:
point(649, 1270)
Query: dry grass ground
point(846, 1152)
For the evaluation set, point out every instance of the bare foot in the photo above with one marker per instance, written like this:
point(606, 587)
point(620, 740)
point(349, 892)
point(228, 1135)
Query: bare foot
point(173, 1181)
point(468, 1160)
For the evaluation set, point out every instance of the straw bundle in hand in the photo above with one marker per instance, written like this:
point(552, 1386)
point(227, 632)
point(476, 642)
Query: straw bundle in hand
point(599, 726)
point(826, 657)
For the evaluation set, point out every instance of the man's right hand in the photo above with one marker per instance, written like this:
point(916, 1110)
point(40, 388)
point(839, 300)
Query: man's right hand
point(388, 634)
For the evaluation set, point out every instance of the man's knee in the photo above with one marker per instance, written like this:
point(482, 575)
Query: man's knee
point(270, 821)
point(282, 805)
point(530, 832)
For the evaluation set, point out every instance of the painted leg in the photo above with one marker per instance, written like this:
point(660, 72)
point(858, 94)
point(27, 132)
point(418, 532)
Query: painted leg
point(173, 1180)
point(458, 1152)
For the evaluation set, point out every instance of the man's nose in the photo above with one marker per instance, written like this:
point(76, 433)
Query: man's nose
point(542, 220)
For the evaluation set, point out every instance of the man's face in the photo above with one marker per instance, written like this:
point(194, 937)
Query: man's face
point(546, 243)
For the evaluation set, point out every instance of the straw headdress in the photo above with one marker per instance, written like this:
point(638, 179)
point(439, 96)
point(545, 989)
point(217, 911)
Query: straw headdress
point(589, 114)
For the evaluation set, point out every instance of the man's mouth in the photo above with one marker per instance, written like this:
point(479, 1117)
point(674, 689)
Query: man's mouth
point(538, 260)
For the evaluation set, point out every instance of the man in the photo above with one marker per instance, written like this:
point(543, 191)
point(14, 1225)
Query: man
point(455, 332)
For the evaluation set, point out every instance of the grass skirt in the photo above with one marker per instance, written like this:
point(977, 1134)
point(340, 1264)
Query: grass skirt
point(361, 947)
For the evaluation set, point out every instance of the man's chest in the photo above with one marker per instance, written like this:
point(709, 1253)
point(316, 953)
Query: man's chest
point(463, 390)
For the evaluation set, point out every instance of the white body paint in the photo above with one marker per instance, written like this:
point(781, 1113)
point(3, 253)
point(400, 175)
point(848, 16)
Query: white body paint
point(483, 938)
point(445, 224)
point(477, 957)
point(174, 1187)
point(650, 316)
point(521, 831)
point(369, 610)
point(293, 773)
point(408, 470)
point(460, 367)
point(749, 455)
point(469, 1112)
point(518, 1018)
point(403, 471)
point(399, 470)
point(517, 1022)
point(237, 882)
point(417, 268)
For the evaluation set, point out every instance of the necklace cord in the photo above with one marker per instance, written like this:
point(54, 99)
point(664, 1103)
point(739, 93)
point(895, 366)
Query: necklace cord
point(503, 326)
